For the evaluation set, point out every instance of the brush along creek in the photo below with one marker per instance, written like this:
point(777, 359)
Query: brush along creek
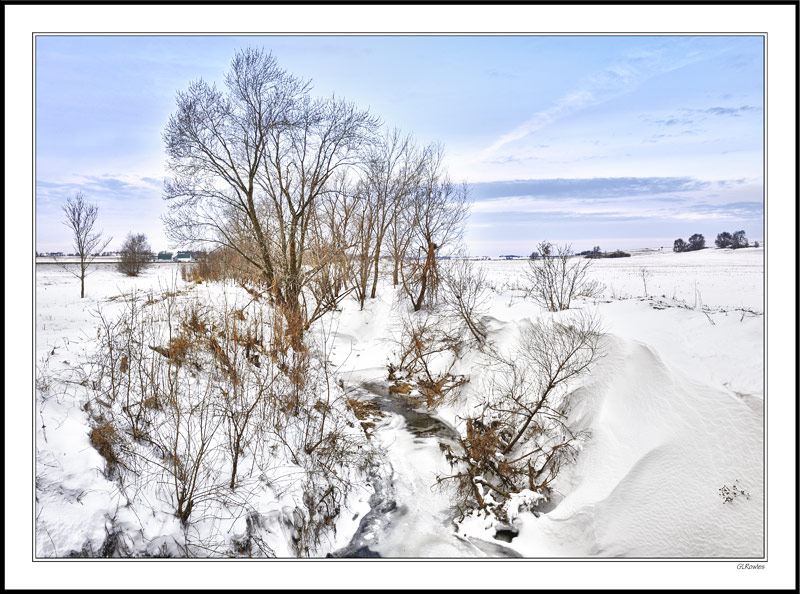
point(410, 516)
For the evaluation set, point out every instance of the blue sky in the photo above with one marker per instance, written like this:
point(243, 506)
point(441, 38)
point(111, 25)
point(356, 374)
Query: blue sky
point(619, 141)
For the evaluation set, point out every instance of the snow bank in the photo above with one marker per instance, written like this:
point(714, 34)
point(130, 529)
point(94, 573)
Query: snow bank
point(647, 483)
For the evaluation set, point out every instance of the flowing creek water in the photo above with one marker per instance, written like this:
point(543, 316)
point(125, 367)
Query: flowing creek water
point(409, 516)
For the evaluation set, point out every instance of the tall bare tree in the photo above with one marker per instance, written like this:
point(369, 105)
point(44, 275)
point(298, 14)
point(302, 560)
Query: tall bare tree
point(250, 164)
point(325, 139)
point(80, 217)
point(216, 142)
point(434, 219)
point(393, 170)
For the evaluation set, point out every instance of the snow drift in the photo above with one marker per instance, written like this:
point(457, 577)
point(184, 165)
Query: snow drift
point(647, 483)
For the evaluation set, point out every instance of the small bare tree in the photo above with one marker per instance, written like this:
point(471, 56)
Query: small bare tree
point(333, 234)
point(556, 279)
point(465, 294)
point(80, 217)
point(135, 255)
point(521, 437)
point(428, 350)
point(644, 274)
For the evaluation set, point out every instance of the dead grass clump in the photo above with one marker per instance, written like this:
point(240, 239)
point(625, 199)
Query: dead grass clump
point(194, 322)
point(104, 439)
point(179, 348)
point(367, 412)
point(435, 391)
point(400, 388)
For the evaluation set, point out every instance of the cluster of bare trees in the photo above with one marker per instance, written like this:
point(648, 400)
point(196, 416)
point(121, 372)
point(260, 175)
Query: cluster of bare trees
point(431, 342)
point(303, 199)
point(307, 191)
point(204, 406)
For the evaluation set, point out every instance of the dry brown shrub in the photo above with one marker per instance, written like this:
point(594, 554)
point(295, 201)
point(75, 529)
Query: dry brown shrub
point(424, 343)
point(104, 438)
point(193, 322)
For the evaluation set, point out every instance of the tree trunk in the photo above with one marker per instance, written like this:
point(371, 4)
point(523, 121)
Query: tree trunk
point(235, 463)
point(426, 271)
point(375, 274)
point(82, 278)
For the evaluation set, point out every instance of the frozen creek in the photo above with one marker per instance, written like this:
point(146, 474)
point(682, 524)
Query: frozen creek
point(409, 516)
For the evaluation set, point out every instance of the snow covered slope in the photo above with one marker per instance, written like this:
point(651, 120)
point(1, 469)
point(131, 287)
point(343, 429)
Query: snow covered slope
point(647, 483)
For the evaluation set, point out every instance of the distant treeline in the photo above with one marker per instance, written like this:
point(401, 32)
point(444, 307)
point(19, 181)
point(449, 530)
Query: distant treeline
point(595, 252)
point(734, 240)
point(614, 254)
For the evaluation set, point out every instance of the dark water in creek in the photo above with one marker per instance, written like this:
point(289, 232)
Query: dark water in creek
point(408, 518)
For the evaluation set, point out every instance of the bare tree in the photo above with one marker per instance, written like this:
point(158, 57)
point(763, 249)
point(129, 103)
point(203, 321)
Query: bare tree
point(644, 274)
point(250, 166)
point(80, 217)
point(465, 294)
point(363, 242)
point(135, 255)
point(216, 142)
point(435, 219)
point(326, 139)
point(428, 350)
point(521, 436)
point(393, 169)
point(556, 280)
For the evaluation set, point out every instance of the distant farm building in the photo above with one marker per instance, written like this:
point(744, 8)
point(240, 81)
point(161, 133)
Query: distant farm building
point(185, 256)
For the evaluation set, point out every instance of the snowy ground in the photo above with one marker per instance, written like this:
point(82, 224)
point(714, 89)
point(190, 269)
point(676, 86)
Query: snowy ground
point(77, 506)
point(675, 409)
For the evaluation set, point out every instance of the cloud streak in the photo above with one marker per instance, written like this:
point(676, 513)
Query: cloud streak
point(597, 187)
point(617, 79)
point(521, 203)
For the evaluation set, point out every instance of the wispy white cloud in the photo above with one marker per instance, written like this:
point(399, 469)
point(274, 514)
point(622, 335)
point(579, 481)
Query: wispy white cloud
point(567, 104)
point(618, 78)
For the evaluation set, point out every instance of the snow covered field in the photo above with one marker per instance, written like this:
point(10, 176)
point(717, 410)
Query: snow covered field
point(675, 409)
